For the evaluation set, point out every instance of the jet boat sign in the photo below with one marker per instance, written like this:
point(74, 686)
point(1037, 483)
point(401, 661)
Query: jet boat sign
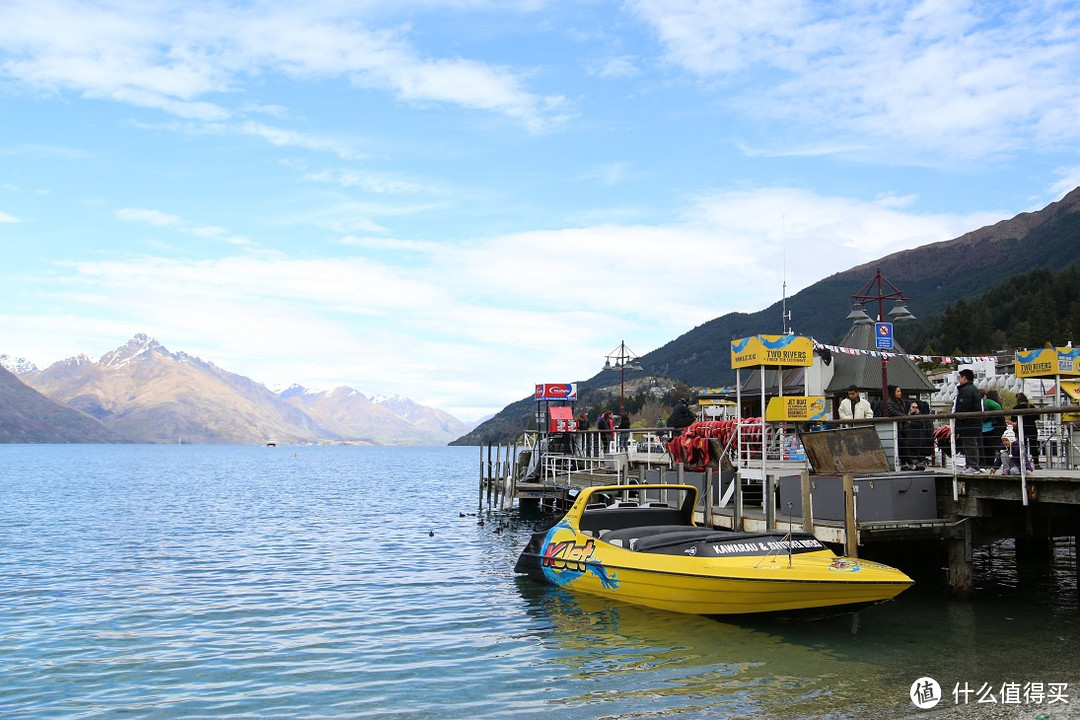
point(796, 408)
point(796, 350)
point(557, 391)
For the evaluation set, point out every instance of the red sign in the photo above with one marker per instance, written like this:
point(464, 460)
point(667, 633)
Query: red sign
point(556, 391)
point(558, 425)
point(561, 419)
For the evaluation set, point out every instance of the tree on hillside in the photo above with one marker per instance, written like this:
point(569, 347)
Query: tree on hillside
point(1027, 310)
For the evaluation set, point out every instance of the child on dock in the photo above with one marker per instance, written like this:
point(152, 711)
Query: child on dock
point(1008, 457)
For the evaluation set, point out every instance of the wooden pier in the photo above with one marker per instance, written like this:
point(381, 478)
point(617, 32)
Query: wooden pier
point(858, 503)
point(500, 468)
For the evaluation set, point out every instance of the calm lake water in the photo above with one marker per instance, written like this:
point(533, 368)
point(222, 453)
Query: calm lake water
point(252, 582)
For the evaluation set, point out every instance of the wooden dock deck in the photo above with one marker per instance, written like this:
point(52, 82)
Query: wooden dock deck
point(961, 511)
point(854, 501)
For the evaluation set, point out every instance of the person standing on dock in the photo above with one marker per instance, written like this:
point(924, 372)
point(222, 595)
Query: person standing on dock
point(916, 438)
point(896, 407)
point(1031, 428)
point(968, 430)
point(854, 406)
point(606, 426)
point(583, 434)
point(681, 418)
point(624, 432)
point(991, 427)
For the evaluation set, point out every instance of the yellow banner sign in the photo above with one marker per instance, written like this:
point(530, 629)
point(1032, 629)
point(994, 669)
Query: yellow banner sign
point(796, 408)
point(795, 350)
point(1048, 362)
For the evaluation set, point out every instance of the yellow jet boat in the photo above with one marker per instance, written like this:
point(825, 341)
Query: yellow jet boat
point(639, 544)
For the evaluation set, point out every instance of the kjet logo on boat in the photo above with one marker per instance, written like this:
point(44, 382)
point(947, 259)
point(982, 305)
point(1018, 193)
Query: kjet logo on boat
point(560, 555)
point(564, 561)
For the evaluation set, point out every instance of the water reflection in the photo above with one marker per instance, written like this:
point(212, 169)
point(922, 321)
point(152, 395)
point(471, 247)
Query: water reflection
point(1022, 626)
point(691, 663)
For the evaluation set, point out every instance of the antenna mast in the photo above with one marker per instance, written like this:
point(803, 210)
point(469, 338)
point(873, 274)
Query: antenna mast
point(785, 316)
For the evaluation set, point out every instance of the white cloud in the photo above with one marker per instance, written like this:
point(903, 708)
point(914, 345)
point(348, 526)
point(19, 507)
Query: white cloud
point(463, 82)
point(352, 218)
point(171, 56)
point(150, 217)
point(158, 218)
point(623, 66)
point(43, 151)
point(280, 137)
point(383, 243)
point(964, 80)
point(1069, 181)
point(214, 232)
point(610, 174)
point(485, 319)
point(5, 218)
point(368, 181)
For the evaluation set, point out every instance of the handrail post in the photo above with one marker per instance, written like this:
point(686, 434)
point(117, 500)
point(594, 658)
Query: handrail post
point(851, 540)
point(807, 511)
point(709, 496)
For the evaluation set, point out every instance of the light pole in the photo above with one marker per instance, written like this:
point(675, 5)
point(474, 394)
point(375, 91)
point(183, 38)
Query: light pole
point(622, 359)
point(878, 289)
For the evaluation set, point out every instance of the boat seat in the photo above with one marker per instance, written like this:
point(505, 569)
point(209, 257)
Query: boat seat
point(683, 536)
point(680, 537)
point(647, 539)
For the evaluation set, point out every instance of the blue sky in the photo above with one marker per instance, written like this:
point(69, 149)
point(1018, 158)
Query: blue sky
point(456, 200)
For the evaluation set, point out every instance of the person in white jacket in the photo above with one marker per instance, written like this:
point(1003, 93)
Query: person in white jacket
point(854, 406)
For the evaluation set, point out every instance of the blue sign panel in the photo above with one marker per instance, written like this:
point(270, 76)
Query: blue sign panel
point(883, 333)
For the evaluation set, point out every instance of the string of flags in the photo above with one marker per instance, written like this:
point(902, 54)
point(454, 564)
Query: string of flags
point(942, 359)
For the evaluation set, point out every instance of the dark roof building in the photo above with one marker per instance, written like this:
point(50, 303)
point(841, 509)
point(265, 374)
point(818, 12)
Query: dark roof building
point(864, 370)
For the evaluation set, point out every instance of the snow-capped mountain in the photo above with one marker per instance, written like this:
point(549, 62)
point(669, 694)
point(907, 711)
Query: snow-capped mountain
point(17, 366)
point(145, 393)
point(434, 420)
point(353, 414)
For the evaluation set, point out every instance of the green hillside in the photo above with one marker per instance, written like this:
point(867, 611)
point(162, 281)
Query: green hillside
point(1025, 311)
point(941, 279)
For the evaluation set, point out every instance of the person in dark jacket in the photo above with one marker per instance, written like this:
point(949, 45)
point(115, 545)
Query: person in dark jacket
point(681, 418)
point(624, 434)
point(583, 445)
point(606, 426)
point(1031, 429)
point(896, 406)
point(968, 430)
point(916, 438)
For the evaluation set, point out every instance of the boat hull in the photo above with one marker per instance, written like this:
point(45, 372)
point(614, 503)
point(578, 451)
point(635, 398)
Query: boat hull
point(696, 570)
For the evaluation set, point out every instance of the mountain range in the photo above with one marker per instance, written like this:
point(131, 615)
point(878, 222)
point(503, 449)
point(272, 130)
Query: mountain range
point(932, 277)
point(27, 416)
point(141, 392)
